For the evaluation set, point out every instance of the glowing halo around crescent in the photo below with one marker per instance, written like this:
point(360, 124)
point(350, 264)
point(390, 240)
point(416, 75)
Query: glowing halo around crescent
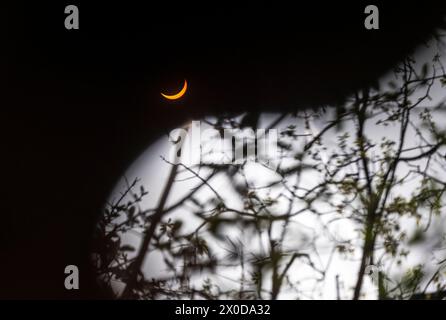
point(177, 95)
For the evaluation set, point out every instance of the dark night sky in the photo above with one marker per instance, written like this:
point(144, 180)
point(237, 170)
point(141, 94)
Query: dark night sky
point(80, 105)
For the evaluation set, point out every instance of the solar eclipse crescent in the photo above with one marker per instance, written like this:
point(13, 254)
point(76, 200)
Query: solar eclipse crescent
point(177, 95)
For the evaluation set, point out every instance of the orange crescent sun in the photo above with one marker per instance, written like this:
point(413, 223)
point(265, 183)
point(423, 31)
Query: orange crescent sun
point(177, 95)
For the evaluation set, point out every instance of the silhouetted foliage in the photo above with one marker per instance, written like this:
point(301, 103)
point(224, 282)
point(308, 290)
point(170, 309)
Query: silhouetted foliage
point(378, 184)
